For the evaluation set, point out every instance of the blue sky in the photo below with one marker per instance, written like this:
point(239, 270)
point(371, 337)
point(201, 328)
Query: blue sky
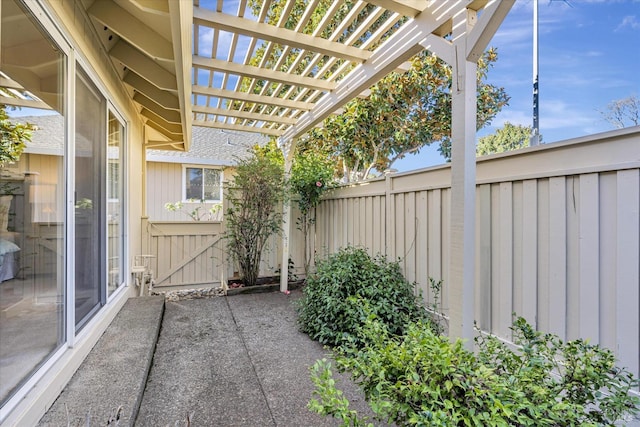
point(589, 55)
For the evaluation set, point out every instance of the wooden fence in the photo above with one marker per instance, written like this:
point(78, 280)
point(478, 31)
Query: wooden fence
point(191, 254)
point(186, 254)
point(557, 236)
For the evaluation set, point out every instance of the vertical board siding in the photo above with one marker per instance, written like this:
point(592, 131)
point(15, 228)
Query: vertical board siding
point(529, 256)
point(558, 248)
point(544, 228)
point(627, 269)
point(557, 254)
point(607, 260)
point(483, 257)
point(589, 253)
point(164, 185)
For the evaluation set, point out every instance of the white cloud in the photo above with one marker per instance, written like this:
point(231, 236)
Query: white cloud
point(629, 21)
point(556, 114)
point(515, 117)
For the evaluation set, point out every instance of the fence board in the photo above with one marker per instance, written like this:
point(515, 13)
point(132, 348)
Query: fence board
point(483, 256)
point(589, 259)
point(628, 270)
point(557, 252)
point(544, 271)
point(529, 258)
point(607, 293)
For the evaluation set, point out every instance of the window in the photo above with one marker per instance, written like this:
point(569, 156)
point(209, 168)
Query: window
point(203, 184)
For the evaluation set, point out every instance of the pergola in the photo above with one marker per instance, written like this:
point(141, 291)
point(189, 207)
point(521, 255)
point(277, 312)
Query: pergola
point(195, 63)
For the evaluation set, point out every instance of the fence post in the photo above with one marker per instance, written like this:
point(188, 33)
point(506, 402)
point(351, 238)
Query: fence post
point(146, 236)
point(223, 246)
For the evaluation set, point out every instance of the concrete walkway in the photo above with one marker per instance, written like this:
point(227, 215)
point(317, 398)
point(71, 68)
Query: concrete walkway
point(226, 361)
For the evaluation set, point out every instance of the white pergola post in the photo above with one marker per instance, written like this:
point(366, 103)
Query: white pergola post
point(463, 185)
point(288, 148)
point(470, 37)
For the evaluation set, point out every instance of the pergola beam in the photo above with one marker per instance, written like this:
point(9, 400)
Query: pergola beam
point(410, 8)
point(261, 73)
point(19, 102)
point(243, 115)
point(240, 128)
point(252, 97)
point(258, 30)
point(488, 23)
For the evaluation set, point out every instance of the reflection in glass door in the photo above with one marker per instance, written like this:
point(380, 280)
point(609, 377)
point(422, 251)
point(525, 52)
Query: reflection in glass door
point(90, 148)
point(32, 230)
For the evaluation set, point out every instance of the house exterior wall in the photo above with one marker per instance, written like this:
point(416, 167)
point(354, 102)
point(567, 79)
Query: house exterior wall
point(164, 185)
point(557, 236)
point(68, 20)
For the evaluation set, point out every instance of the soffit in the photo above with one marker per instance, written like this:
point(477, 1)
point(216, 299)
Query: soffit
point(145, 40)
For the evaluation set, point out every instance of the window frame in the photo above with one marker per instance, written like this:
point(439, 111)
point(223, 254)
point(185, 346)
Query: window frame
point(185, 181)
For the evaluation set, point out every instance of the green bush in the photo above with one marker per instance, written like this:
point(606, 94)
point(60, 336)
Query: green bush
point(329, 310)
point(253, 216)
point(424, 379)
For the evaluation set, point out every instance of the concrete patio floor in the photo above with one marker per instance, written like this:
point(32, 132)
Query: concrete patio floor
point(222, 361)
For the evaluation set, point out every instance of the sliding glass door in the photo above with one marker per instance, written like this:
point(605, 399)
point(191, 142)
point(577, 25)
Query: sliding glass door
point(89, 203)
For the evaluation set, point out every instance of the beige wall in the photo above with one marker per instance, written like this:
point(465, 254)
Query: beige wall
point(557, 231)
point(164, 185)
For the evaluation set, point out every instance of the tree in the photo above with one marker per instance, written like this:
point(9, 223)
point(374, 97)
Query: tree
point(253, 216)
point(509, 137)
point(405, 112)
point(13, 137)
point(623, 112)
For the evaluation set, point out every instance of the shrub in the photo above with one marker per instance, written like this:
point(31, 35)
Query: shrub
point(424, 379)
point(329, 310)
point(253, 215)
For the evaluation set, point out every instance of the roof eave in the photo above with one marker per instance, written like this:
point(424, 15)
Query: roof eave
point(181, 15)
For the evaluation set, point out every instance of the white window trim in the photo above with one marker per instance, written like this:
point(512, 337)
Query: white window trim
point(184, 181)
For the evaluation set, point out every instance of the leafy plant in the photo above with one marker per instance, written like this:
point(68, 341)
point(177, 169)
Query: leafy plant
point(311, 177)
point(253, 216)
point(332, 402)
point(330, 311)
point(196, 212)
point(291, 276)
point(13, 137)
point(424, 379)
point(508, 138)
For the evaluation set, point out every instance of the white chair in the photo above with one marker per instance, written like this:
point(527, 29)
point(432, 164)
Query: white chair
point(143, 273)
